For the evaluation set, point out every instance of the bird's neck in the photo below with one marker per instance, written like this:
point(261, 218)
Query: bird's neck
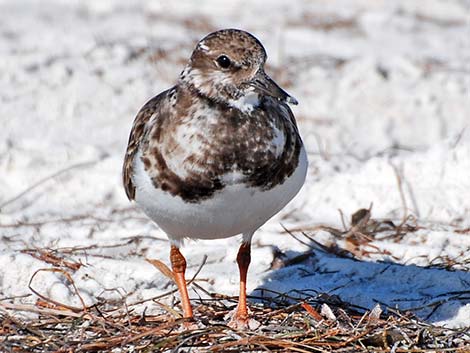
point(218, 93)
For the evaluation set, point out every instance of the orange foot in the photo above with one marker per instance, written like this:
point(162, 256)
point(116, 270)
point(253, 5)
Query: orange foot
point(239, 323)
point(190, 325)
point(242, 321)
point(187, 325)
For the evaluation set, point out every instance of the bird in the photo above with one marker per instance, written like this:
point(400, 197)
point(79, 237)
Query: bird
point(216, 155)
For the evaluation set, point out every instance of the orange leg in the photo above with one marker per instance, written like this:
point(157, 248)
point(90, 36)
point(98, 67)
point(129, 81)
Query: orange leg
point(243, 260)
point(178, 264)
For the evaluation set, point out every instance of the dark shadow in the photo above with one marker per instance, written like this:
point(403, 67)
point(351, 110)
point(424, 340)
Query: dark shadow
point(432, 294)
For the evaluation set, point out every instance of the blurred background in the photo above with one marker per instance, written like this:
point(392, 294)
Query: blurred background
point(384, 92)
point(371, 76)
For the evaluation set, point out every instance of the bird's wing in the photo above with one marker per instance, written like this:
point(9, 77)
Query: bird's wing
point(140, 128)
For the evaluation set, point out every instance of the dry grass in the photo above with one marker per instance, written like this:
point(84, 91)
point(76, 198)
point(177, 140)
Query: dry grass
point(284, 323)
point(317, 324)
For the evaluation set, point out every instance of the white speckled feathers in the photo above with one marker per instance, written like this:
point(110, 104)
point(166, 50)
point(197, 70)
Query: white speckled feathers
point(218, 154)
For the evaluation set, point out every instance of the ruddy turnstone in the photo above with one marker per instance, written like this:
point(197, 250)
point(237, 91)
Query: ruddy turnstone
point(216, 155)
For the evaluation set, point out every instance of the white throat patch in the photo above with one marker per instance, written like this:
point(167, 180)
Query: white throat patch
point(246, 103)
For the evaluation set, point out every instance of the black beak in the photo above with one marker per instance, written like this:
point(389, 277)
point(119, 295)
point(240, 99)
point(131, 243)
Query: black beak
point(265, 85)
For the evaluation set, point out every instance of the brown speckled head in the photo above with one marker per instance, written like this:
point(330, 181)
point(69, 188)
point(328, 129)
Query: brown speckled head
point(229, 64)
point(245, 52)
point(224, 122)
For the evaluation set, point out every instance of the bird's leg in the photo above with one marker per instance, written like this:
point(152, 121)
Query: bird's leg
point(240, 319)
point(178, 265)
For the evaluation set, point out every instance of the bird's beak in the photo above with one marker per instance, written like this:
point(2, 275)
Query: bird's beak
point(266, 86)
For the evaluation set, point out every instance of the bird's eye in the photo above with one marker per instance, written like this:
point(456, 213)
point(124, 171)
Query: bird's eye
point(223, 61)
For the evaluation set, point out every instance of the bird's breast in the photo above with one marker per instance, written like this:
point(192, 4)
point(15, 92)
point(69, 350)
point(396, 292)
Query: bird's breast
point(210, 149)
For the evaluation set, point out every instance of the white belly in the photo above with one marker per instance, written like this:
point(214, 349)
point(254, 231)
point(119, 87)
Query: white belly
point(233, 210)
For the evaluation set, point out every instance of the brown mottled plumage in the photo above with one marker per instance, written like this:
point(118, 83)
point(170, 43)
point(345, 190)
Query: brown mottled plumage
point(138, 133)
point(218, 154)
point(239, 141)
point(241, 144)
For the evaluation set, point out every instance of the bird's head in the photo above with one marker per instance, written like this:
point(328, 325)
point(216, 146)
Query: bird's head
point(228, 66)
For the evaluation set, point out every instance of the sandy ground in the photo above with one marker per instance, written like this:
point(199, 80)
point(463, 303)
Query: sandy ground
point(384, 92)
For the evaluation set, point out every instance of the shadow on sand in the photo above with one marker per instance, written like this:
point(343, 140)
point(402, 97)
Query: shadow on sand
point(432, 294)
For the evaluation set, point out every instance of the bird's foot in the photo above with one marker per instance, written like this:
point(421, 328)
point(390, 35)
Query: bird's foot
point(188, 325)
point(241, 321)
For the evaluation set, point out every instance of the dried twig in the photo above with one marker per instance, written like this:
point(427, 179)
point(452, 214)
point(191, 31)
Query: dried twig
point(283, 328)
point(84, 308)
